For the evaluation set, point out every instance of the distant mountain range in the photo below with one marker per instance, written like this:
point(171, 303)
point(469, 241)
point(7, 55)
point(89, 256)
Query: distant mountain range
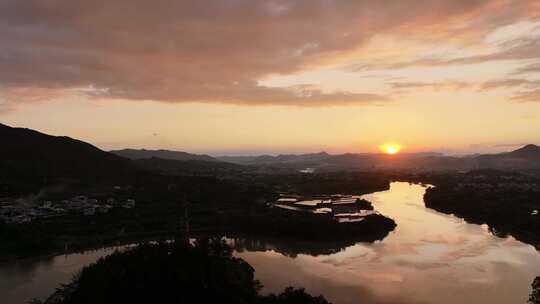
point(30, 156)
point(279, 159)
point(527, 157)
point(26, 152)
point(171, 166)
point(136, 154)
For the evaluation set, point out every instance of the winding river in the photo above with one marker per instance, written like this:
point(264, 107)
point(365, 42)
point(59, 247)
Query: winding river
point(429, 258)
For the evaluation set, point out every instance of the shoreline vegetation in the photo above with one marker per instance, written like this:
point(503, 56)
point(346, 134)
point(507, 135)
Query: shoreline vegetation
point(201, 272)
point(170, 211)
point(334, 236)
point(508, 203)
point(207, 206)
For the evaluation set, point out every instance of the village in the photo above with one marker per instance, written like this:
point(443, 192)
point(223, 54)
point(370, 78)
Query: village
point(343, 208)
point(498, 183)
point(17, 213)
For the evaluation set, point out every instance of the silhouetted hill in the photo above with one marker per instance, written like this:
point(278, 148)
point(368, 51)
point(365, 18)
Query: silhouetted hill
point(237, 159)
point(527, 157)
point(279, 159)
point(182, 167)
point(136, 154)
point(427, 161)
point(287, 158)
point(33, 155)
point(28, 153)
point(528, 152)
point(356, 161)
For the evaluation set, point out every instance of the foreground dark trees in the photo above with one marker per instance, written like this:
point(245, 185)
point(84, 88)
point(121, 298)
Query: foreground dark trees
point(173, 273)
point(535, 295)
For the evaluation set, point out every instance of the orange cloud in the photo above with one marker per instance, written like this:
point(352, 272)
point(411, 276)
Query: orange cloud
point(218, 50)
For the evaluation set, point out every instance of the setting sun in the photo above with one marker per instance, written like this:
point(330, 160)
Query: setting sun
point(391, 148)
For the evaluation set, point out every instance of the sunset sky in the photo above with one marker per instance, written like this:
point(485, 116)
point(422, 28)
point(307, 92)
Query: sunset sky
point(253, 76)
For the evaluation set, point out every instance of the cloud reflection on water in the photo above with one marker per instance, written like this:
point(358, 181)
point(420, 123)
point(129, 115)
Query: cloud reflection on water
point(429, 258)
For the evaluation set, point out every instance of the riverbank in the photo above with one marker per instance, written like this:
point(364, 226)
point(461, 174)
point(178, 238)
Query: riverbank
point(172, 272)
point(430, 257)
point(507, 204)
point(262, 223)
point(277, 226)
point(166, 203)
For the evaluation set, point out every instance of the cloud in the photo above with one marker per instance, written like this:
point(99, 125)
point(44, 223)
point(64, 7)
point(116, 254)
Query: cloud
point(528, 96)
point(506, 83)
point(508, 40)
point(454, 84)
point(443, 85)
point(219, 50)
point(527, 50)
point(524, 90)
point(529, 68)
point(9, 97)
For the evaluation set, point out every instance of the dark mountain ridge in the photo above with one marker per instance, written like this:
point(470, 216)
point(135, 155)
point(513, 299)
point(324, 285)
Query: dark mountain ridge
point(528, 151)
point(183, 167)
point(33, 154)
point(527, 157)
point(136, 154)
point(281, 158)
point(25, 152)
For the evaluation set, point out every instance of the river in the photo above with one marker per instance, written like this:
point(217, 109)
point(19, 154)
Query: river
point(429, 258)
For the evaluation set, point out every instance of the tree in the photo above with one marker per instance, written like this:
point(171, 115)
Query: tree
point(535, 294)
point(293, 296)
point(173, 272)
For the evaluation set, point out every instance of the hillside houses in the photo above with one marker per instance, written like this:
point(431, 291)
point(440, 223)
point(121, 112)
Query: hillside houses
point(498, 183)
point(13, 213)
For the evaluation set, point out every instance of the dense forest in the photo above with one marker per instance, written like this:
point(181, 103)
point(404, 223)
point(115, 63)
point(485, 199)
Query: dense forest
point(507, 202)
point(173, 272)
